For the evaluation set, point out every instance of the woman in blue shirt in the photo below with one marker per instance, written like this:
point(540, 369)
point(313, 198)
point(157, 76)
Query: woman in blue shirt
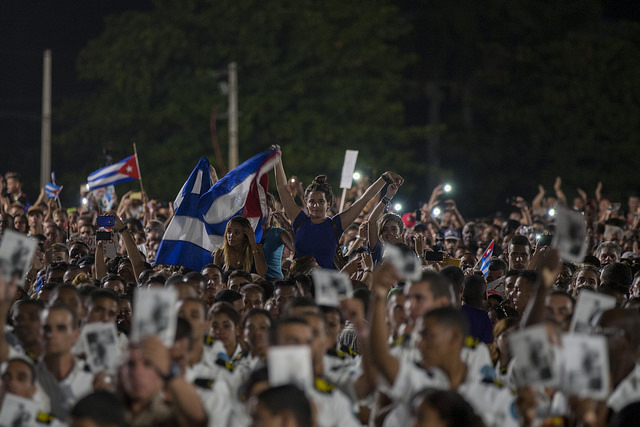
point(316, 234)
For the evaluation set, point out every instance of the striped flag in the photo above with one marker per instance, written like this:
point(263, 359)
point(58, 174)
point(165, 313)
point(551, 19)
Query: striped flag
point(202, 210)
point(243, 191)
point(52, 190)
point(186, 242)
point(117, 173)
point(486, 259)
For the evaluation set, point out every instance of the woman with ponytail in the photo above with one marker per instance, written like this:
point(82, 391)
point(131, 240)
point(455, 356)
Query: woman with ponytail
point(315, 234)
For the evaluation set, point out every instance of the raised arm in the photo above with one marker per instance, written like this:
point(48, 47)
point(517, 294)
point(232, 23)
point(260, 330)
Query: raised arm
point(385, 363)
point(353, 311)
point(351, 213)
point(132, 250)
point(377, 213)
point(100, 267)
point(557, 186)
point(536, 203)
point(290, 208)
point(548, 266)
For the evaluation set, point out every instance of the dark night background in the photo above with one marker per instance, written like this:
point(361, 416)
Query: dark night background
point(522, 93)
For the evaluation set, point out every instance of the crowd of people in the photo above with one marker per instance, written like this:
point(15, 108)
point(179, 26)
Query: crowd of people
point(430, 351)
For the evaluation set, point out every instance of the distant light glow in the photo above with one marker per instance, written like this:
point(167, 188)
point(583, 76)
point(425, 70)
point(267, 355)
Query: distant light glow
point(436, 212)
point(397, 207)
point(356, 176)
point(447, 188)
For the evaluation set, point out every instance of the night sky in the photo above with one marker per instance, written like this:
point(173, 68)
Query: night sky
point(28, 27)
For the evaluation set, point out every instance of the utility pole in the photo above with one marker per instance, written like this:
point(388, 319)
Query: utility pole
point(45, 154)
point(233, 115)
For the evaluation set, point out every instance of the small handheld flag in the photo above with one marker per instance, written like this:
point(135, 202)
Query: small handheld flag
point(52, 190)
point(117, 173)
point(486, 259)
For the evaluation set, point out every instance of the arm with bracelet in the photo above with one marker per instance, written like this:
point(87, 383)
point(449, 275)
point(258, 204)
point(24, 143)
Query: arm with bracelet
point(377, 213)
point(130, 245)
point(351, 213)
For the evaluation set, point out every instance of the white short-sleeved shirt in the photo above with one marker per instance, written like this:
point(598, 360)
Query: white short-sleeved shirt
point(216, 400)
point(343, 371)
point(333, 408)
point(495, 405)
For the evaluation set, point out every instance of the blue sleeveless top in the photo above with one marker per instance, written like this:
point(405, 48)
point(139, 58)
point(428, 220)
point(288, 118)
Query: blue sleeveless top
point(273, 247)
point(317, 240)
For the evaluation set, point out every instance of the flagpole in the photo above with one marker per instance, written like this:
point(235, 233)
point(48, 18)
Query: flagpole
point(135, 152)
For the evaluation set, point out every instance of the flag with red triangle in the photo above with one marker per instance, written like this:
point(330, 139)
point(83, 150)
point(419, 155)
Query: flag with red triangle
point(117, 173)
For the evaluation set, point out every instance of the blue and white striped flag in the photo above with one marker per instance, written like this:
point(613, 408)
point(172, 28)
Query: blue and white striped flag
point(241, 192)
point(117, 173)
point(486, 259)
point(202, 210)
point(186, 241)
point(52, 190)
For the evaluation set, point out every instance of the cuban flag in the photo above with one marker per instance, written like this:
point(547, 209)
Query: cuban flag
point(52, 190)
point(240, 192)
point(486, 259)
point(117, 173)
point(186, 241)
point(202, 210)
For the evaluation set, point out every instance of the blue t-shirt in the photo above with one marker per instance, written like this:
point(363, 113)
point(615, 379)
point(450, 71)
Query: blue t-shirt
point(317, 240)
point(272, 245)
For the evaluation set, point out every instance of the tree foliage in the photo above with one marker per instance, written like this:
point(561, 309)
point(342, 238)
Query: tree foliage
point(314, 77)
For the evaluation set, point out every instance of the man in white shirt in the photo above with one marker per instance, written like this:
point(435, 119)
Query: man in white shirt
point(442, 335)
point(333, 408)
point(64, 378)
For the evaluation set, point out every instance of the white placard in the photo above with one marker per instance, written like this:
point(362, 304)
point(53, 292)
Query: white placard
point(100, 341)
point(586, 366)
point(348, 167)
point(570, 236)
point(16, 255)
point(290, 364)
point(154, 314)
point(408, 266)
point(533, 355)
point(331, 286)
point(588, 305)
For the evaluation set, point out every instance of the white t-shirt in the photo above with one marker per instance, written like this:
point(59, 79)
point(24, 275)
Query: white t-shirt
point(495, 405)
point(333, 407)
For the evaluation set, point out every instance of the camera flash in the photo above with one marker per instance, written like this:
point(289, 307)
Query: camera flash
point(447, 188)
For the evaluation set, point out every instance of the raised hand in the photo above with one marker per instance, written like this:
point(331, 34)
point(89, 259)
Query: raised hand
point(394, 177)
